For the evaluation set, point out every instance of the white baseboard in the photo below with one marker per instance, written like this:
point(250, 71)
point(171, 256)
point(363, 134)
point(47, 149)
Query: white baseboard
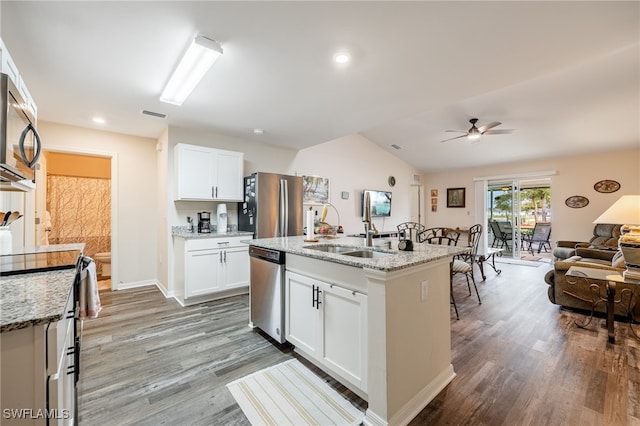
point(138, 284)
point(416, 404)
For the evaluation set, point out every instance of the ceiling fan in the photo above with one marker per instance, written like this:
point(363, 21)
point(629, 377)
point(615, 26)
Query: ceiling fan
point(474, 133)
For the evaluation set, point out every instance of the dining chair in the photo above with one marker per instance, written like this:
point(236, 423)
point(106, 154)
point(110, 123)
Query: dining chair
point(410, 230)
point(541, 234)
point(430, 236)
point(433, 236)
point(463, 264)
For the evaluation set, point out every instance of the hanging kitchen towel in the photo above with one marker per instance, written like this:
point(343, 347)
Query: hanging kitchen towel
point(89, 297)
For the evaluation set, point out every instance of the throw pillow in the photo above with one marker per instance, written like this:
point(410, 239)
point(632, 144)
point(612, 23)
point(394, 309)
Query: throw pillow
point(618, 261)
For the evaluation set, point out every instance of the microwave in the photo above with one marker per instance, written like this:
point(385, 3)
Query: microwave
point(19, 140)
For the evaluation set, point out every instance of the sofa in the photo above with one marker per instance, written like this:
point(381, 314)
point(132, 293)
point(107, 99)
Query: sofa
point(605, 237)
point(576, 293)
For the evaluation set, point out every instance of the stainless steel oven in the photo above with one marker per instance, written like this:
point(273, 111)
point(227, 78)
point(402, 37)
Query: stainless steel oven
point(20, 145)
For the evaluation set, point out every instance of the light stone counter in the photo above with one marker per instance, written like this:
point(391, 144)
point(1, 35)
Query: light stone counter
point(33, 299)
point(422, 253)
point(182, 232)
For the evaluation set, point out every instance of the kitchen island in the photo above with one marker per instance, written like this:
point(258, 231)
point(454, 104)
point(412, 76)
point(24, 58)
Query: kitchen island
point(376, 318)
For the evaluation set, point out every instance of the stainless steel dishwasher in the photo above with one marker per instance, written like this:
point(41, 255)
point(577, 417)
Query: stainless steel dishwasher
point(266, 295)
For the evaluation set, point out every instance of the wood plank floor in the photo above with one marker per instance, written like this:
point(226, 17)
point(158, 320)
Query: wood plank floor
point(519, 360)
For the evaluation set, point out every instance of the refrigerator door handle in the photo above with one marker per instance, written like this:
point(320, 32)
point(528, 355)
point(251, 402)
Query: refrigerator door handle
point(285, 223)
point(281, 210)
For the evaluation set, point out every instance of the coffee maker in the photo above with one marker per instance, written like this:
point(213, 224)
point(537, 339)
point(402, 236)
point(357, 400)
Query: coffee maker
point(204, 222)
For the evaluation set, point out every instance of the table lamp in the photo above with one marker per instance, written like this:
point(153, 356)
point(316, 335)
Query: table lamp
point(626, 211)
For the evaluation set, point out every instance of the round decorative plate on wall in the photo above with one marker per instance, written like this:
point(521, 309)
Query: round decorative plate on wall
point(606, 186)
point(576, 201)
point(391, 180)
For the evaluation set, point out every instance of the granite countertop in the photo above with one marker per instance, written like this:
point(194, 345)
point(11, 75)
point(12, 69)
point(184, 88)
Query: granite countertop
point(181, 231)
point(32, 299)
point(422, 253)
point(48, 249)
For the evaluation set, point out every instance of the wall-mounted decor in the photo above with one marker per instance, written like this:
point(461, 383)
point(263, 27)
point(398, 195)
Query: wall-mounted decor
point(434, 200)
point(391, 181)
point(434, 208)
point(344, 195)
point(455, 197)
point(316, 190)
point(576, 201)
point(434, 192)
point(606, 186)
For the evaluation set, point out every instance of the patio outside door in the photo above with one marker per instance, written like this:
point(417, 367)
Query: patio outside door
point(503, 213)
point(516, 205)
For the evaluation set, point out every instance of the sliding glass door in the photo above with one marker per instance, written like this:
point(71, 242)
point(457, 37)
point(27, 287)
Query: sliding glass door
point(503, 213)
point(513, 209)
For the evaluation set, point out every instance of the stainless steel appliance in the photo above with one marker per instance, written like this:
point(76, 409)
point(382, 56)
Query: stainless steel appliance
point(20, 145)
point(204, 222)
point(272, 205)
point(267, 291)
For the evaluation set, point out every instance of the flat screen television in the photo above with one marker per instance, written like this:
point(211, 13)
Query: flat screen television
point(380, 202)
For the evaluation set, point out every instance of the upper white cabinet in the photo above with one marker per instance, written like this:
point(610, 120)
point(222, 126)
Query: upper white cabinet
point(9, 67)
point(204, 173)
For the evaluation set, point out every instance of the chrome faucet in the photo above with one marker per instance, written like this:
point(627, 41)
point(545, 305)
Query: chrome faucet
point(369, 228)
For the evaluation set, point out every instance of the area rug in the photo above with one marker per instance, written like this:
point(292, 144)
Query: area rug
point(512, 261)
point(291, 394)
point(529, 257)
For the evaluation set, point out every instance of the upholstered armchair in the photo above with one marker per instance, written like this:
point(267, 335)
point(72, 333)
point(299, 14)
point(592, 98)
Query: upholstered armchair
point(577, 293)
point(605, 237)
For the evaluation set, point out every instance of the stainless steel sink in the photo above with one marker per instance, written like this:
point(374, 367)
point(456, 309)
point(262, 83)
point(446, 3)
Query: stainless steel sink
point(368, 254)
point(332, 248)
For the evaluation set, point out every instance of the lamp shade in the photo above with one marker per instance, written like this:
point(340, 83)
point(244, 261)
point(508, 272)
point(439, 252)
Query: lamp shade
point(625, 211)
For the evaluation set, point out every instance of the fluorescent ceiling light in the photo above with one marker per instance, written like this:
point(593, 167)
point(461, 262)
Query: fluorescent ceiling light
point(202, 53)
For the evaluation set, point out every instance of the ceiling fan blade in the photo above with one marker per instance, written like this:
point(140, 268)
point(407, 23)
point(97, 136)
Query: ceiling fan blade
point(457, 131)
point(457, 137)
point(489, 126)
point(499, 132)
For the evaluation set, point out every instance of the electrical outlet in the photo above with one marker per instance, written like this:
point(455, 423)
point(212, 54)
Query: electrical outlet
point(424, 290)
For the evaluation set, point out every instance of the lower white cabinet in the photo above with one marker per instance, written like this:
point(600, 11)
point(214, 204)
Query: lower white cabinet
point(210, 266)
point(38, 373)
point(328, 323)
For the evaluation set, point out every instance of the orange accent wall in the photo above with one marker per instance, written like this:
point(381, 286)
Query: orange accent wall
point(63, 164)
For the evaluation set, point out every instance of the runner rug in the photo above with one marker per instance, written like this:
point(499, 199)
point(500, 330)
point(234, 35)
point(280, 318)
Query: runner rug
point(291, 394)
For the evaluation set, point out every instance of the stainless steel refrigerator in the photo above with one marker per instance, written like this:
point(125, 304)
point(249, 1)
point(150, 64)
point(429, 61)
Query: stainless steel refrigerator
point(272, 205)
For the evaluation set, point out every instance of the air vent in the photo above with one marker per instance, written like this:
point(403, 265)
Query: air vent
point(154, 114)
point(396, 146)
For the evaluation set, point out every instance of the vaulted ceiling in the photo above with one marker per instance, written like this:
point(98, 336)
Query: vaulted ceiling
point(564, 75)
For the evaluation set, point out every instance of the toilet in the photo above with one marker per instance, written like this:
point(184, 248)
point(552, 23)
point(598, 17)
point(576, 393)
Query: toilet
point(104, 259)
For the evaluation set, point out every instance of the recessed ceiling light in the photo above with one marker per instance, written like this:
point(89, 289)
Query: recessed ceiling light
point(258, 131)
point(99, 120)
point(342, 58)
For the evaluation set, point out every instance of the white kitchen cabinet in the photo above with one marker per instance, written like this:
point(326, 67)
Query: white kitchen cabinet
point(209, 268)
point(38, 381)
point(329, 324)
point(9, 67)
point(204, 173)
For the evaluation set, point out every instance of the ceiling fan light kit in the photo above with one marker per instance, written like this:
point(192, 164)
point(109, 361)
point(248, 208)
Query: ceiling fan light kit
point(474, 133)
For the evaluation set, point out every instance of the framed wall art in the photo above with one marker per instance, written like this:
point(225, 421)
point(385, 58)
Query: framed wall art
point(434, 192)
point(576, 201)
point(315, 190)
point(455, 197)
point(606, 186)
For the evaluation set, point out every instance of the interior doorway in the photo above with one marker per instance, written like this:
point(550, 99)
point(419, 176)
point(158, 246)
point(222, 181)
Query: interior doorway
point(514, 207)
point(74, 206)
